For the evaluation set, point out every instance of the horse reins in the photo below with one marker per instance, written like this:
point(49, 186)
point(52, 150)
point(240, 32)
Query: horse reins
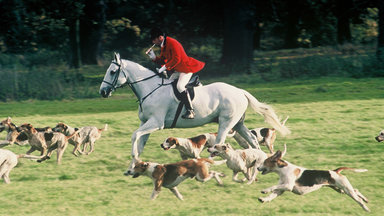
point(130, 84)
point(113, 84)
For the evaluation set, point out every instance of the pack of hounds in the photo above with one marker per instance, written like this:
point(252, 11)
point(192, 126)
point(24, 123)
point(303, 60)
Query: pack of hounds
point(248, 161)
point(45, 140)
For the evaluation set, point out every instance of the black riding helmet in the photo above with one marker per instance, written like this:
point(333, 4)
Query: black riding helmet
point(156, 32)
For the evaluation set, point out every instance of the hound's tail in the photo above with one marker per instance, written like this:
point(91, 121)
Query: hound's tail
point(285, 120)
point(103, 129)
point(206, 160)
point(269, 114)
point(338, 170)
point(70, 136)
point(216, 163)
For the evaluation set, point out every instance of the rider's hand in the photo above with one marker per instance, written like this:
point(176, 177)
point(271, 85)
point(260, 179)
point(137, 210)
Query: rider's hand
point(151, 54)
point(162, 71)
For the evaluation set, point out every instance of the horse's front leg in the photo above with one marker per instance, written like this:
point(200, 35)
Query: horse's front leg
point(139, 138)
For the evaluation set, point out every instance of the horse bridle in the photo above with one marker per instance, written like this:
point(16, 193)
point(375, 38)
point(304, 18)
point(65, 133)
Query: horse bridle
point(130, 84)
point(114, 81)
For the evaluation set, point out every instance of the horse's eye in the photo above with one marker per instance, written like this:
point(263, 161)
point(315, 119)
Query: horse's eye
point(113, 71)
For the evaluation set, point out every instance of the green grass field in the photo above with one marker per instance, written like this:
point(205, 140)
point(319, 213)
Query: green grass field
point(333, 122)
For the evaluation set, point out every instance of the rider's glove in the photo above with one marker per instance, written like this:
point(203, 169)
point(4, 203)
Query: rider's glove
point(151, 54)
point(162, 71)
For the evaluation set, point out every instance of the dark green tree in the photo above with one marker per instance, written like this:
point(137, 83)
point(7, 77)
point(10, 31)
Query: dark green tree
point(380, 39)
point(91, 31)
point(238, 36)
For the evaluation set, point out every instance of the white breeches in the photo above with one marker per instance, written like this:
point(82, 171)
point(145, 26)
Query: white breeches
point(183, 80)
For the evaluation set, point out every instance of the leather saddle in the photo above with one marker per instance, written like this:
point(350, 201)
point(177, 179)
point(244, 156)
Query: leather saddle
point(194, 82)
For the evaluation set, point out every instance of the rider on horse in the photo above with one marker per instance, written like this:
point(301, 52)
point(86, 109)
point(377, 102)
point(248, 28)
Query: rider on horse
point(173, 57)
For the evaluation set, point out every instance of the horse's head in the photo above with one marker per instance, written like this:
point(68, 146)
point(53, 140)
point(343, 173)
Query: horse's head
point(114, 77)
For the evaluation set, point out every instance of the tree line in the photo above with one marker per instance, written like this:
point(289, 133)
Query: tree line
point(85, 29)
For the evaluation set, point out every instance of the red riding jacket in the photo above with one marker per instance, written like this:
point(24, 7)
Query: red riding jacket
point(174, 57)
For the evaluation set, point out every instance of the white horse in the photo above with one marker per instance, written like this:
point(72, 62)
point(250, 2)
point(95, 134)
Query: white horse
point(216, 102)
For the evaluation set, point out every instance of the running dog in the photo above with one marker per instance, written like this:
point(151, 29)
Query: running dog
point(85, 136)
point(13, 133)
point(46, 142)
point(241, 160)
point(300, 180)
point(171, 175)
point(265, 136)
point(8, 160)
point(380, 137)
point(190, 147)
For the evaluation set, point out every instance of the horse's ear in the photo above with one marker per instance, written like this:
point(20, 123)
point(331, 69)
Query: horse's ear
point(117, 58)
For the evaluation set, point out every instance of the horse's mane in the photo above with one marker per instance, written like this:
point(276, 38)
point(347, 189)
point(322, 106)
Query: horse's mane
point(145, 71)
point(140, 67)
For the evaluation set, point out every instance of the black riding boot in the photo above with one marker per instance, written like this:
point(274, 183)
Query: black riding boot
point(186, 99)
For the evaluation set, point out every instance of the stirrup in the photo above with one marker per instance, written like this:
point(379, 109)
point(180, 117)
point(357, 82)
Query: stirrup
point(189, 114)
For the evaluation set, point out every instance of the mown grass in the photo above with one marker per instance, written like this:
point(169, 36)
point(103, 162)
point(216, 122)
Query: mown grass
point(333, 123)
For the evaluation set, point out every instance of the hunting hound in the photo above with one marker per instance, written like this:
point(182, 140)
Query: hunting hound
point(171, 175)
point(265, 136)
point(86, 136)
point(13, 133)
point(241, 160)
point(190, 147)
point(8, 160)
point(46, 142)
point(300, 180)
point(380, 137)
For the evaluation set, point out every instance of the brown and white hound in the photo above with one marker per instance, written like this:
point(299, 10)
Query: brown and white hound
point(171, 175)
point(46, 142)
point(8, 160)
point(13, 133)
point(380, 137)
point(87, 136)
point(300, 180)
point(240, 160)
point(190, 147)
point(265, 136)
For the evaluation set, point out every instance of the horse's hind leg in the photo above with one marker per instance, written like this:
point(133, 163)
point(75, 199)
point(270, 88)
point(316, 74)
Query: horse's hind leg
point(241, 141)
point(226, 123)
point(222, 133)
point(246, 134)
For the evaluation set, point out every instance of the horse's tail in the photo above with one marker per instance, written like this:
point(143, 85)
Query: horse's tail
point(269, 114)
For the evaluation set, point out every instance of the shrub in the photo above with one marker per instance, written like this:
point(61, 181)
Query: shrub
point(345, 61)
point(43, 84)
